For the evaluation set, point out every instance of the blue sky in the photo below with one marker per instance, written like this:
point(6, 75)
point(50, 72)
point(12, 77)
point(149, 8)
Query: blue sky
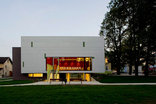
point(48, 18)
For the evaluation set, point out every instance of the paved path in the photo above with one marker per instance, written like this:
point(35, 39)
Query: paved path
point(6, 80)
point(77, 83)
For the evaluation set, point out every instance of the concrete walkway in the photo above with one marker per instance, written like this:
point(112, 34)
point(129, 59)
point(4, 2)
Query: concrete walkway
point(6, 80)
point(77, 83)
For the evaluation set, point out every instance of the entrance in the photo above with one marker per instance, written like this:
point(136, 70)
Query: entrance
point(56, 64)
point(62, 76)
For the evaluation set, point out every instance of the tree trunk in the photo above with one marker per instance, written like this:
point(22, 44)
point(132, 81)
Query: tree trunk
point(136, 60)
point(119, 64)
point(146, 68)
point(136, 68)
point(130, 54)
point(147, 60)
point(130, 69)
point(118, 70)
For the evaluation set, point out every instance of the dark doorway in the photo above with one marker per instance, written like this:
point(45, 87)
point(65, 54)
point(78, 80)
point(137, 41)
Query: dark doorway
point(63, 76)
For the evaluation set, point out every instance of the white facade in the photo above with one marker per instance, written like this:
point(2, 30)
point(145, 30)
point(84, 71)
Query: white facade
point(34, 48)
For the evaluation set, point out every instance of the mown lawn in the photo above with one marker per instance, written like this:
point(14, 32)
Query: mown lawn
point(125, 79)
point(78, 95)
point(1, 79)
point(15, 82)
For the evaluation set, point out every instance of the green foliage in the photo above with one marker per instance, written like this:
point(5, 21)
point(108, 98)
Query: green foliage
point(129, 31)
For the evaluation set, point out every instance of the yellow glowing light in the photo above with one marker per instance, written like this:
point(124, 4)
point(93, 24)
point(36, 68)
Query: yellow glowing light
point(88, 68)
point(88, 77)
point(78, 59)
point(30, 75)
point(68, 77)
point(54, 76)
point(87, 59)
point(35, 75)
point(106, 60)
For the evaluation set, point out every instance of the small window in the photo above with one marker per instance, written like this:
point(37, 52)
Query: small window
point(83, 44)
point(44, 55)
point(106, 67)
point(23, 63)
point(35, 75)
point(31, 44)
point(5, 67)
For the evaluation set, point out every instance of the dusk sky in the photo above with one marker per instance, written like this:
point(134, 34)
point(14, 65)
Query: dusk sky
point(48, 18)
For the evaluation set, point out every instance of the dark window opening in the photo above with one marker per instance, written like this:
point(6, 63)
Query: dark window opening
point(83, 44)
point(31, 44)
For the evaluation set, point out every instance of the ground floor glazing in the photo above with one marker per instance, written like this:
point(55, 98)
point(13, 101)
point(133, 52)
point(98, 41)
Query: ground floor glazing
point(62, 76)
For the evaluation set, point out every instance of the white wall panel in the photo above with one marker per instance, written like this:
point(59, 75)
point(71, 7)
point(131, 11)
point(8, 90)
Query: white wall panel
point(33, 57)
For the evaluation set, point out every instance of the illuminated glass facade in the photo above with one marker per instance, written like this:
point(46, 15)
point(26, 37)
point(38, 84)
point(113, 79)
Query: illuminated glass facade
point(69, 63)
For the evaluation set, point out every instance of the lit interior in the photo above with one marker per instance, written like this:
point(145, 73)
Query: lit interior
point(77, 76)
point(88, 77)
point(69, 63)
point(35, 75)
point(68, 77)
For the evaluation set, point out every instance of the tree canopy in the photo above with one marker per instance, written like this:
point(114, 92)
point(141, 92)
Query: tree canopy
point(130, 33)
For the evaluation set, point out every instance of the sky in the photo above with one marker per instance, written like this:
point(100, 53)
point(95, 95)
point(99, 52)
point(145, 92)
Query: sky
point(48, 18)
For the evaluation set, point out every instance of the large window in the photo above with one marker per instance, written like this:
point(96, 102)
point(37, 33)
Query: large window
point(69, 63)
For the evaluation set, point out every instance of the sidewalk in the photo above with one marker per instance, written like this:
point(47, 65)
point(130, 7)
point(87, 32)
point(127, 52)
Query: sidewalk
point(77, 83)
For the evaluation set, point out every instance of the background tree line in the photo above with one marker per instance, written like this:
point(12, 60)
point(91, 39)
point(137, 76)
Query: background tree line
point(129, 29)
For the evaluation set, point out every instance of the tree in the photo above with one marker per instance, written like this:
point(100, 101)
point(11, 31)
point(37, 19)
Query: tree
point(129, 29)
point(150, 32)
point(113, 26)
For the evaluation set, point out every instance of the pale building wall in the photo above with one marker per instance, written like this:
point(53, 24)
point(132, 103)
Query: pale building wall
point(1, 65)
point(33, 60)
point(7, 68)
point(1, 71)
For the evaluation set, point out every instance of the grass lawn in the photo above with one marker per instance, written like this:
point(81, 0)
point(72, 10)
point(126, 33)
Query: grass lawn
point(15, 82)
point(78, 95)
point(125, 79)
point(1, 79)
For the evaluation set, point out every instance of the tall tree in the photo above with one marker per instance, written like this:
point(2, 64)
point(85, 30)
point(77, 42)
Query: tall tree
point(129, 29)
point(150, 32)
point(113, 26)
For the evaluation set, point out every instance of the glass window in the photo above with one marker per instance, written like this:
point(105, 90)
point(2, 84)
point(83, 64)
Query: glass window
point(83, 44)
point(35, 75)
point(69, 63)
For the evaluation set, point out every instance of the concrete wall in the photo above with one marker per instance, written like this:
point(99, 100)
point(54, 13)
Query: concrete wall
point(53, 46)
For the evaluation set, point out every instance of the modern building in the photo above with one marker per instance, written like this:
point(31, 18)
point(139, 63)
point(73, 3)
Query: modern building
point(5, 67)
point(57, 57)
